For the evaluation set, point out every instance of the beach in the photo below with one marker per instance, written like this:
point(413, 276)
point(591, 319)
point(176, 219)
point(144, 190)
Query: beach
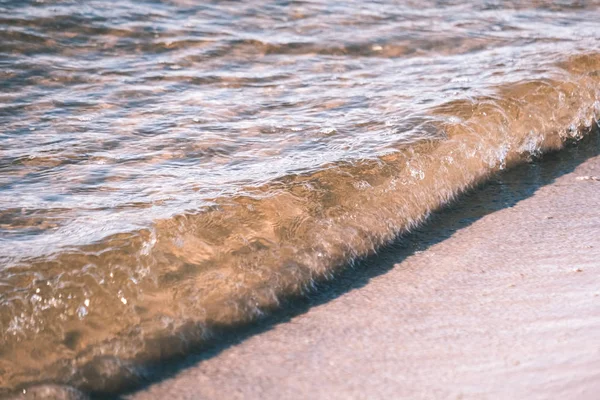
point(298, 199)
point(496, 297)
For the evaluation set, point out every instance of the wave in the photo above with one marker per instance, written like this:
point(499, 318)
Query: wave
point(92, 316)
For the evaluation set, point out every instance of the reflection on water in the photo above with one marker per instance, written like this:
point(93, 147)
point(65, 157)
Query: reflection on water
point(114, 115)
point(166, 166)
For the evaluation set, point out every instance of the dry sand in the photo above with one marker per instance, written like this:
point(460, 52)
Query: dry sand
point(497, 297)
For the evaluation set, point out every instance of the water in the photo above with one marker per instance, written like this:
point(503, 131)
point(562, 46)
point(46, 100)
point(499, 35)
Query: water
point(171, 166)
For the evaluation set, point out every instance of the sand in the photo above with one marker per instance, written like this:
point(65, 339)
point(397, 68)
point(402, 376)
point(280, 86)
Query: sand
point(496, 297)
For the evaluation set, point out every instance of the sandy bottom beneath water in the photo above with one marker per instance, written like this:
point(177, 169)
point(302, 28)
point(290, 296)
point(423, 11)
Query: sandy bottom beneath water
point(497, 297)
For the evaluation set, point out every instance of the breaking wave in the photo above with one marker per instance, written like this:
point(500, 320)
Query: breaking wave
point(92, 315)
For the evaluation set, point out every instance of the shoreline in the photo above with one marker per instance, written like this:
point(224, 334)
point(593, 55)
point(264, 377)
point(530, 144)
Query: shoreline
point(496, 296)
point(175, 283)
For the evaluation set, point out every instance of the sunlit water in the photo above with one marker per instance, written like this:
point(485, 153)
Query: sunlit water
point(168, 166)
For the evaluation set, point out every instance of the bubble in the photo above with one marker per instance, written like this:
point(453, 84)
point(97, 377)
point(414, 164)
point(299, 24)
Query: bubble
point(82, 312)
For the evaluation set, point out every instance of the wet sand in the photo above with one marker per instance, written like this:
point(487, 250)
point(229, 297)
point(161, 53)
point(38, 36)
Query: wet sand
point(496, 297)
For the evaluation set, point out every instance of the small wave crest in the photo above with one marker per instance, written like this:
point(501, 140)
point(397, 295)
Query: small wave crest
point(90, 316)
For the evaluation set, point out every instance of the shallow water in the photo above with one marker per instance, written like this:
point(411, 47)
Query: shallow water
point(170, 166)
